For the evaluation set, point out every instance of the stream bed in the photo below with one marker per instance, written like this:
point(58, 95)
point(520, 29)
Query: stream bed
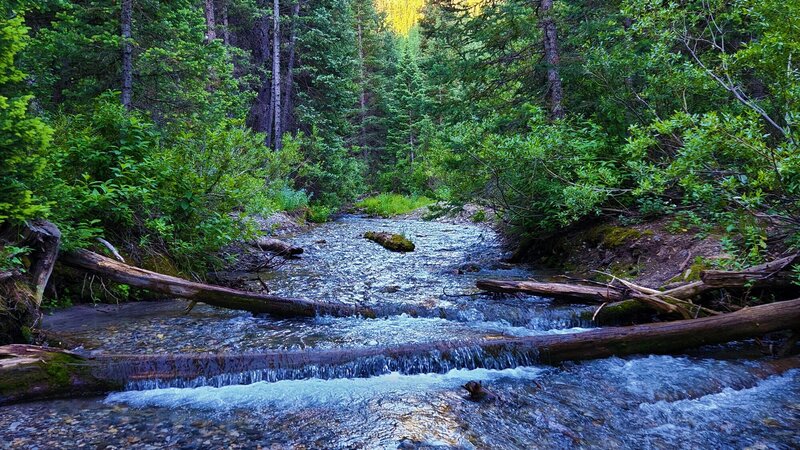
point(709, 398)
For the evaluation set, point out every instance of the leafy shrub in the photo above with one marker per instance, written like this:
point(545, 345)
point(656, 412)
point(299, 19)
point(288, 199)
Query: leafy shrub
point(319, 213)
point(389, 205)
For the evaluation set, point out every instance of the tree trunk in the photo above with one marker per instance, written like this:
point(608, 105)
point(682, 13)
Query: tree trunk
point(261, 113)
point(289, 80)
point(226, 33)
point(362, 95)
point(21, 292)
point(555, 93)
point(47, 239)
point(276, 72)
point(212, 295)
point(211, 25)
point(127, 53)
point(441, 356)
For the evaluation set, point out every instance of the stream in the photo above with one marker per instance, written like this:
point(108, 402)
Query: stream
point(714, 397)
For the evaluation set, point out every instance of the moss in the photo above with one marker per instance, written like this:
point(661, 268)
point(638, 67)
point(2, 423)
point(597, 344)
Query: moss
point(693, 272)
point(611, 236)
point(394, 242)
point(54, 374)
point(621, 313)
point(27, 333)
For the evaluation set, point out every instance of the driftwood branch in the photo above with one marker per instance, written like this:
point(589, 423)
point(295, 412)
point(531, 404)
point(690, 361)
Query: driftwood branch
point(112, 249)
point(677, 300)
point(276, 246)
point(213, 295)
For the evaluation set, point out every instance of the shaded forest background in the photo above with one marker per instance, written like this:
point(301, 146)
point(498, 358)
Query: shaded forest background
point(165, 126)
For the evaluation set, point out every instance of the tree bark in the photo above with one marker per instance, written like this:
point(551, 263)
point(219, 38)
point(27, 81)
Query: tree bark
point(48, 239)
point(774, 274)
point(211, 25)
point(276, 72)
point(127, 53)
point(288, 88)
point(226, 32)
point(390, 241)
point(277, 246)
point(362, 95)
point(212, 295)
point(666, 337)
point(261, 113)
point(29, 373)
point(594, 294)
point(555, 92)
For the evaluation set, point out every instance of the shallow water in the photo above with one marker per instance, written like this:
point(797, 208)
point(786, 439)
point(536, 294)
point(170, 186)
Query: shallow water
point(708, 400)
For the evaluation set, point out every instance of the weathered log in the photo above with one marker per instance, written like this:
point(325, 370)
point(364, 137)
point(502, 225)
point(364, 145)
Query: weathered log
point(277, 246)
point(772, 274)
point(579, 291)
point(213, 295)
point(390, 241)
point(676, 300)
point(665, 337)
point(29, 372)
point(21, 292)
point(46, 239)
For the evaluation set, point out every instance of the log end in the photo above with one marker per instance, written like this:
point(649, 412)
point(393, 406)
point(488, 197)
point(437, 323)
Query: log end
point(29, 372)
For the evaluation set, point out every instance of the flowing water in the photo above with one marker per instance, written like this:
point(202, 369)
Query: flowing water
point(710, 398)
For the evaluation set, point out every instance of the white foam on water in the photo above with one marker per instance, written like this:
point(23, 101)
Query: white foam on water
point(313, 392)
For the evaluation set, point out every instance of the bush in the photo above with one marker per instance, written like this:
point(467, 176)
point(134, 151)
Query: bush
point(390, 205)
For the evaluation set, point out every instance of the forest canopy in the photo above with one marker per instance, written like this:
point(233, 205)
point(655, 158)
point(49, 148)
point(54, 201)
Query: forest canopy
point(166, 126)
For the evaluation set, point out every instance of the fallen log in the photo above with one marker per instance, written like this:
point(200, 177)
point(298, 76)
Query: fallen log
point(580, 291)
point(29, 372)
point(665, 337)
point(276, 246)
point(212, 295)
point(674, 301)
point(390, 241)
point(21, 291)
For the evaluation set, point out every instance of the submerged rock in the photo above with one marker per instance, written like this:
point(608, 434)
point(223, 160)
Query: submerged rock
point(390, 241)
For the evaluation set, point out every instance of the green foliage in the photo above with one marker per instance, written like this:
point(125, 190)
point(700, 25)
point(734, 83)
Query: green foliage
point(23, 137)
point(328, 172)
point(319, 213)
point(11, 258)
point(390, 205)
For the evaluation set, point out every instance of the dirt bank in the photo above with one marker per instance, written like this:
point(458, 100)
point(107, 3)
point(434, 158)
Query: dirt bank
point(649, 253)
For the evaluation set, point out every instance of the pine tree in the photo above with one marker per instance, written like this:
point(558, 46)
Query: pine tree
point(408, 117)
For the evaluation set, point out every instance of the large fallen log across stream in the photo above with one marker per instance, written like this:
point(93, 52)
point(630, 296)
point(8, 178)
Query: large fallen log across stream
point(667, 337)
point(212, 295)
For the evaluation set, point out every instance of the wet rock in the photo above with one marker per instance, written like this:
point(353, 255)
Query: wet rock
point(468, 268)
point(478, 393)
point(390, 289)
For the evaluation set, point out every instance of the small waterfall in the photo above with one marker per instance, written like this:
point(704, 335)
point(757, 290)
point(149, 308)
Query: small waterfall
point(190, 371)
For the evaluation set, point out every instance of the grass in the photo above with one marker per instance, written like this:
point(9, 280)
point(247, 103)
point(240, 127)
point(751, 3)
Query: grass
point(390, 205)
